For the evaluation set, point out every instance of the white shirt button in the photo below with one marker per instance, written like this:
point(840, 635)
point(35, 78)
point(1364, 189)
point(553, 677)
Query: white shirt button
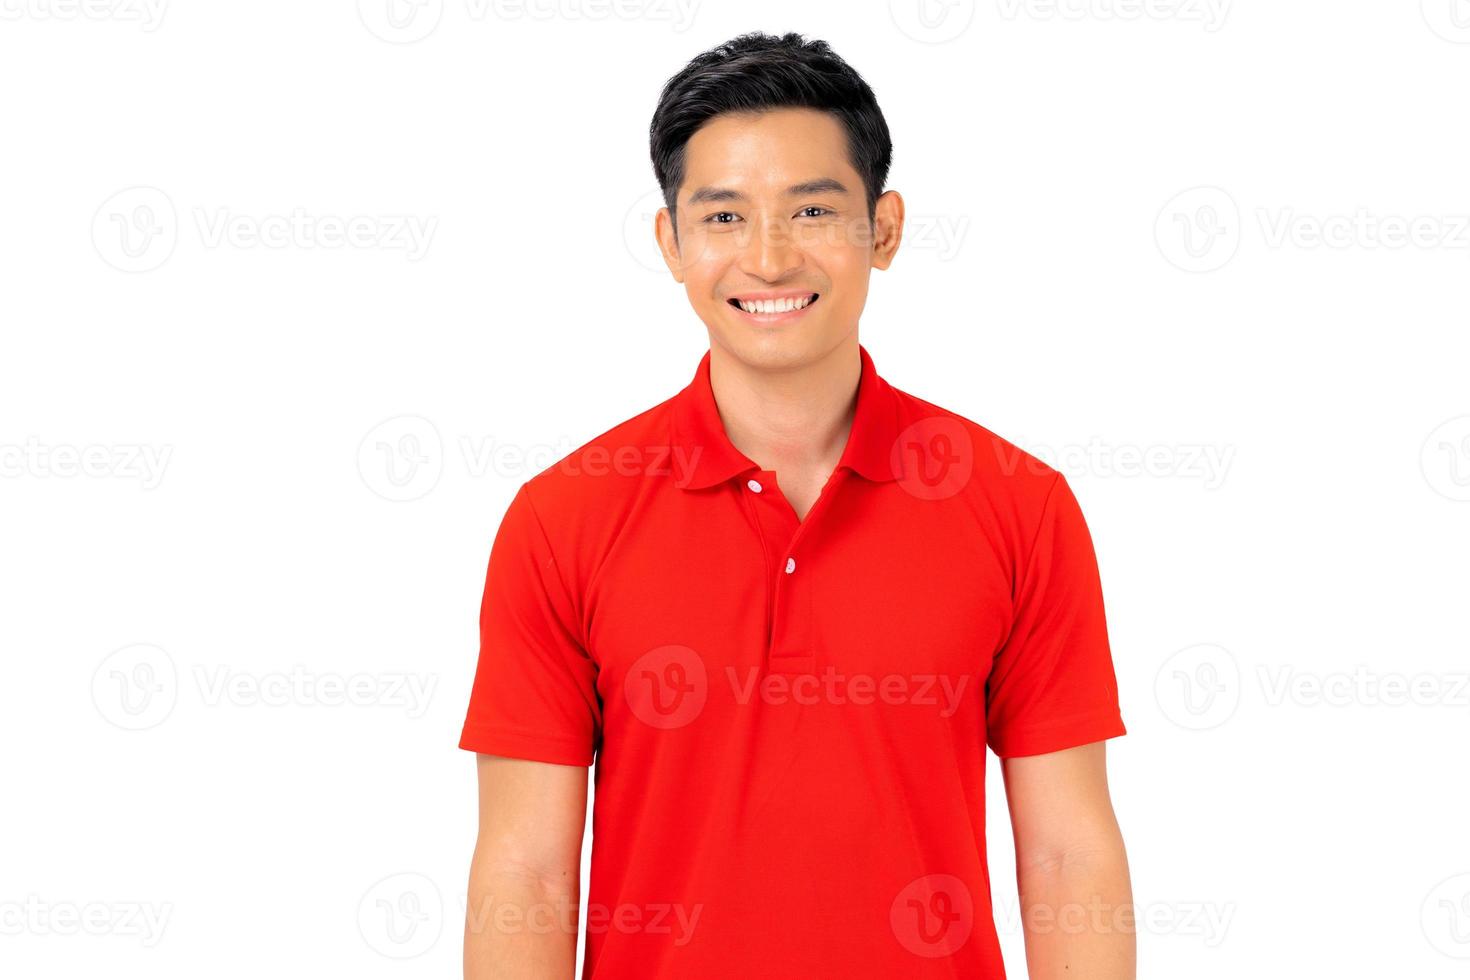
point(790, 565)
point(755, 486)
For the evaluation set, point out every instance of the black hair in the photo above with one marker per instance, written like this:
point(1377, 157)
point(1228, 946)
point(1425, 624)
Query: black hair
point(756, 72)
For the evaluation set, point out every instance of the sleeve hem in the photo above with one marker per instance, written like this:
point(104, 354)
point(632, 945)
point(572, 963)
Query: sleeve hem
point(1066, 734)
point(490, 740)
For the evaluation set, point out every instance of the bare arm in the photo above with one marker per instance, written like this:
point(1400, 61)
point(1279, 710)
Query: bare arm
point(521, 920)
point(1071, 869)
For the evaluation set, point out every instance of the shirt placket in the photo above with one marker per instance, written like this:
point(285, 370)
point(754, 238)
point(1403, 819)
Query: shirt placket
point(790, 639)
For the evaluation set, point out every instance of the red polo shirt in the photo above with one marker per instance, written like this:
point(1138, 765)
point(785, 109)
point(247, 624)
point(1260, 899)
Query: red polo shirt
point(789, 718)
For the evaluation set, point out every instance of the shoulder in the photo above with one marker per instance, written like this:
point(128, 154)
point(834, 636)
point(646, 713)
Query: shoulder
point(990, 469)
point(603, 478)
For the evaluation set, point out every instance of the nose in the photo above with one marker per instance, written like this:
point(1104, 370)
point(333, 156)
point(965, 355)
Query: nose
point(770, 254)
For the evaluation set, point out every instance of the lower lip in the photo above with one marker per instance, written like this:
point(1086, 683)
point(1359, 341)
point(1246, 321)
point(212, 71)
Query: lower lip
point(775, 318)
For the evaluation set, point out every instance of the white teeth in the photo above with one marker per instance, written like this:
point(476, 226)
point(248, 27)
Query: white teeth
point(774, 305)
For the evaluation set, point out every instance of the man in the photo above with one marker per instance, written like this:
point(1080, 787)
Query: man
point(786, 611)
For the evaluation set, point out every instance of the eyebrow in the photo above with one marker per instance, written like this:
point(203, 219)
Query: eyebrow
point(822, 185)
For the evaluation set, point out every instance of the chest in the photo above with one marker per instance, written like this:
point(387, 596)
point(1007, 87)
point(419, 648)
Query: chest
point(872, 583)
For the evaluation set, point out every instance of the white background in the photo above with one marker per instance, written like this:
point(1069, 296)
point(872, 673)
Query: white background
point(1208, 258)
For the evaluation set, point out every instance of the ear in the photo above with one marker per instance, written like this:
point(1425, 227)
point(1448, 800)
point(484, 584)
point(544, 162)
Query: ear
point(887, 228)
point(668, 243)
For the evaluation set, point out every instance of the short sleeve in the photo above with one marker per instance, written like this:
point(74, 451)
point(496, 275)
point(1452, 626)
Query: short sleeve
point(1051, 685)
point(535, 688)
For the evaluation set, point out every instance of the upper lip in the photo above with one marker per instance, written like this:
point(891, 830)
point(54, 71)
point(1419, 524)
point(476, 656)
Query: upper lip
point(764, 294)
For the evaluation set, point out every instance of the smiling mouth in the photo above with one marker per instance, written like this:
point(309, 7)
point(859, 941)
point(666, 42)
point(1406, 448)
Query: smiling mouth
point(772, 307)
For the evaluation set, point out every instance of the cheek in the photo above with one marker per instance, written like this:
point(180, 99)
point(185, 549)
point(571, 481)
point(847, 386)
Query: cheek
point(703, 263)
point(846, 268)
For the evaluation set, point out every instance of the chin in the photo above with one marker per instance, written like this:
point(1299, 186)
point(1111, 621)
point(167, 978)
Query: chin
point(775, 349)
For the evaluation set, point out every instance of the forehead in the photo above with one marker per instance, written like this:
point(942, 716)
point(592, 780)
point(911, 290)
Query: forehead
point(767, 151)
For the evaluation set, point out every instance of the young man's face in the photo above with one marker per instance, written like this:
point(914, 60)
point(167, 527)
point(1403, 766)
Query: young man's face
point(771, 207)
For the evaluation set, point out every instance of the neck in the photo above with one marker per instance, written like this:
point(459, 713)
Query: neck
point(788, 419)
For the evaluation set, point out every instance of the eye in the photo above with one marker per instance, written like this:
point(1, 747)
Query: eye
point(718, 215)
point(813, 207)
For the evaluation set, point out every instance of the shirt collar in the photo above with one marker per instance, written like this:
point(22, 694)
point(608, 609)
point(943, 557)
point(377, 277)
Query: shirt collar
point(705, 456)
